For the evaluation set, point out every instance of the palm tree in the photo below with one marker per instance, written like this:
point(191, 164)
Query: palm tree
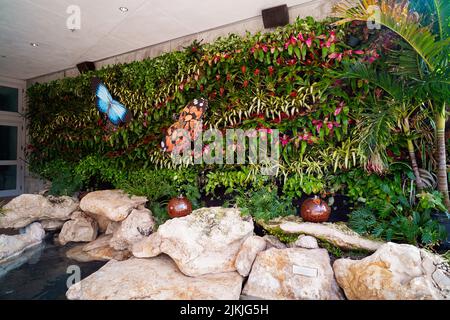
point(422, 60)
point(383, 117)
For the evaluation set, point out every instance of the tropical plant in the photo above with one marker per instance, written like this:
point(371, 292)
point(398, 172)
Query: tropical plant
point(64, 179)
point(397, 220)
point(422, 57)
point(264, 204)
point(385, 117)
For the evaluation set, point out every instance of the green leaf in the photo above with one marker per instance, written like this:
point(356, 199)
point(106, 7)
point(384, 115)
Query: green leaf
point(297, 52)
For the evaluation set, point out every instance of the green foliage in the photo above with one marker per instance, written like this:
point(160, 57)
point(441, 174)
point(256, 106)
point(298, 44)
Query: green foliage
point(281, 235)
point(334, 250)
point(264, 204)
point(2, 210)
point(64, 180)
point(234, 180)
point(396, 220)
point(265, 80)
point(284, 79)
point(371, 189)
point(158, 185)
point(159, 212)
point(446, 256)
point(294, 186)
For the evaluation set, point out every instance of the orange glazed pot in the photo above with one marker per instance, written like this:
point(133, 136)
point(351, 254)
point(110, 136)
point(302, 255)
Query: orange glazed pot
point(315, 210)
point(179, 207)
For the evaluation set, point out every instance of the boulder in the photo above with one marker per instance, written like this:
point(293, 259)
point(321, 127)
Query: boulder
point(138, 225)
point(292, 274)
point(337, 234)
point(306, 242)
point(273, 242)
point(206, 241)
point(148, 247)
point(104, 224)
point(30, 256)
point(395, 272)
point(81, 228)
point(100, 249)
point(247, 254)
point(153, 279)
point(12, 246)
point(28, 208)
point(76, 253)
point(112, 227)
point(115, 205)
point(52, 224)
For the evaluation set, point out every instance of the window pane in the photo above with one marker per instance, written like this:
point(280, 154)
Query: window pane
point(8, 143)
point(9, 99)
point(8, 177)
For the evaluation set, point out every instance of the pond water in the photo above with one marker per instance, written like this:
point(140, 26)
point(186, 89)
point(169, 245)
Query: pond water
point(41, 273)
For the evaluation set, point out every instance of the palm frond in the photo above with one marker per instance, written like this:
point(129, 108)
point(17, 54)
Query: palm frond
point(375, 127)
point(385, 81)
point(397, 17)
point(405, 62)
point(442, 8)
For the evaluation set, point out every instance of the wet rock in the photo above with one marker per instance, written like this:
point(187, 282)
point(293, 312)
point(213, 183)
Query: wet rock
point(97, 250)
point(13, 246)
point(81, 228)
point(154, 279)
point(29, 208)
point(395, 272)
point(52, 225)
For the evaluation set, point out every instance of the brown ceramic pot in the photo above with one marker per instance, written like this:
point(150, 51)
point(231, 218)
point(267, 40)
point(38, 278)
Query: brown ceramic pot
point(315, 210)
point(179, 207)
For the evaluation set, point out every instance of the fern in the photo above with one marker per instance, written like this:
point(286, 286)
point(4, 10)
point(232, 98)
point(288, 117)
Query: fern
point(264, 204)
point(394, 222)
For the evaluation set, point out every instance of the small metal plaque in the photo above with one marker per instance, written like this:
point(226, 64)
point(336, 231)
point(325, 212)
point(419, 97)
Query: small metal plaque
point(304, 271)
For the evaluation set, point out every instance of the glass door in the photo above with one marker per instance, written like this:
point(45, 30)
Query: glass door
point(11, 127)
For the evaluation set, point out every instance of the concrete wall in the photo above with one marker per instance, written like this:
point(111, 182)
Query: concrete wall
point(319, 9)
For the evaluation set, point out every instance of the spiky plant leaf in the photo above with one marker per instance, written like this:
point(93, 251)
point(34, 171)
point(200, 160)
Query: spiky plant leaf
point(398, 17)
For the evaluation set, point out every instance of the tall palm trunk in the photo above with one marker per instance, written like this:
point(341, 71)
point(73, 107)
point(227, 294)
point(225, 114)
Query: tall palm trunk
point(442, 159)
point(415, 167)
point(412, 155)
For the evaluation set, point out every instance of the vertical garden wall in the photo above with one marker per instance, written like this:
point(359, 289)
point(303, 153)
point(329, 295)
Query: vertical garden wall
point(289, 79)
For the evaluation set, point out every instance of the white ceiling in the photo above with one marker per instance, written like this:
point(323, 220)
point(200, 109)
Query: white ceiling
point(105, 30)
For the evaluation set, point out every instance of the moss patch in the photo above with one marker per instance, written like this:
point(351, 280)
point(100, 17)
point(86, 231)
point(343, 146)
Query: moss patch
point(331, 248)
point(281, 235)
point(275, 230)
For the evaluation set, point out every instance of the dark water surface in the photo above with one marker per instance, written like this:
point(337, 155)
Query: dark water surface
point(41, 273)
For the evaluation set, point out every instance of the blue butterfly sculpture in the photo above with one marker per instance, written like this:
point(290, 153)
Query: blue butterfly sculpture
point(115, 112)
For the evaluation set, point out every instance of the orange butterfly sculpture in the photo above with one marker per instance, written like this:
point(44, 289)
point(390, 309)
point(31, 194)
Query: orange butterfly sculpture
point(189, 120)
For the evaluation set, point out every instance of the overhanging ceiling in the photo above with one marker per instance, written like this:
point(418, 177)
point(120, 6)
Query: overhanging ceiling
point(105, 30)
